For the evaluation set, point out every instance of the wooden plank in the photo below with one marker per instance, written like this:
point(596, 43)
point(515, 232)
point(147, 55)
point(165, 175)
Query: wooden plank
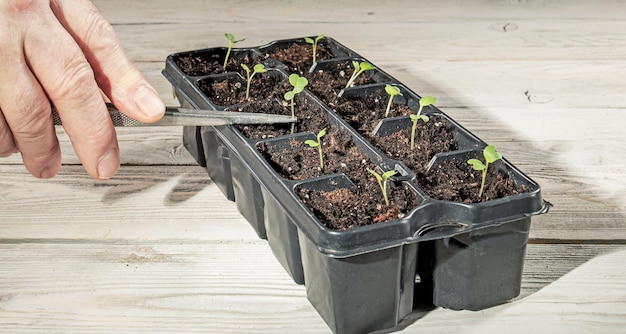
point(152, 146)
point(483, 28)
point(450, 40)
point(234, 286)
point(141, 203)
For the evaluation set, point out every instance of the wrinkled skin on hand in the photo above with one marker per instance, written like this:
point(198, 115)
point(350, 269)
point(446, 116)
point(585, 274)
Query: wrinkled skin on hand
point(66, 53)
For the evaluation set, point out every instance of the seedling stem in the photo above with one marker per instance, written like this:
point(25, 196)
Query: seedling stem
point(424, 101)
point(358, 69)
point(313, 42)
point(298, 84)
point(258, 68)
point(392, 91)
point(318, 144)
point(382, 181)
point(231, 43)
point(491, 155)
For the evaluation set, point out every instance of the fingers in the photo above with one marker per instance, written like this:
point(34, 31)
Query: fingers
point(114, 72)
point(64, 73)
point(26, 122)
point(32, 132)
point(64, 52)
point(7, 145)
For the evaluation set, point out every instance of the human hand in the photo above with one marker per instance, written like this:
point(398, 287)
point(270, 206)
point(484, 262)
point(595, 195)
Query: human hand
point(65, 52)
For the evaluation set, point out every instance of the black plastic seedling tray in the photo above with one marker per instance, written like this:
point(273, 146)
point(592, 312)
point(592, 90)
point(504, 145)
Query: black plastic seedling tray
point(364, 279)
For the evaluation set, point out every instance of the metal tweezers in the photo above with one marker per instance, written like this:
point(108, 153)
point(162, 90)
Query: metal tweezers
point(192, 117)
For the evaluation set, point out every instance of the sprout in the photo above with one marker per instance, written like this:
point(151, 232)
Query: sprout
point(298, 84)
point(392, 91)
point(491, 155)
point(313, 42)
point(232, 42)
point(318, 144)
point(382, 181)
point(358, 69)
point(258, 68)
point(424, 101)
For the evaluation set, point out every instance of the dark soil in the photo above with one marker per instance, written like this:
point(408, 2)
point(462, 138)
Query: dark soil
point(201, 64)
point(298, 57)
point(299, 161)
point(340, 209)
point(230, 90)
point(311, 117)
point(455, 180)
point(365, 112)
point(328, 81)
point(431, 138)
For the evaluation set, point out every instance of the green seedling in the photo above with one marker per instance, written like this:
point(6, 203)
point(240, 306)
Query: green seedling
point(298, 84)
point(491, 156)
point(424, 101)
point(382, 181)
point(313, 42)
point(258, 68)
point(358, 69)
point(231, 43)
point(318, 144)
point(392, 91)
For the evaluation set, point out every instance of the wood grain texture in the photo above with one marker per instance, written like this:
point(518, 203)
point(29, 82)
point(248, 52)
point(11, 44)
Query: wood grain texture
point(158, 249)
point(230, 287)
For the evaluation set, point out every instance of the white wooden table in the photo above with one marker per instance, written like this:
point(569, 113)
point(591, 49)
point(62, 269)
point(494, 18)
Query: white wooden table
point(158, 249)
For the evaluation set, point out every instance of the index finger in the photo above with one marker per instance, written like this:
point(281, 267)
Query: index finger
point(68, 80)
point(114, 72)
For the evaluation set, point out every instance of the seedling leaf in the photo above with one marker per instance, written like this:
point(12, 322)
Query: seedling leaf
point(392, 90)
point(388, 174)
point(376, 175)
point(365, 66)
point(490, 154)
point(293, 79)
point(356, 66)
point(259, 68)
point(476, 164)
point(426, 101)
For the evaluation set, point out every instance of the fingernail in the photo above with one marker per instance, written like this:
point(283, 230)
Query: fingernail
point(108, 164)
point(149, 102)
